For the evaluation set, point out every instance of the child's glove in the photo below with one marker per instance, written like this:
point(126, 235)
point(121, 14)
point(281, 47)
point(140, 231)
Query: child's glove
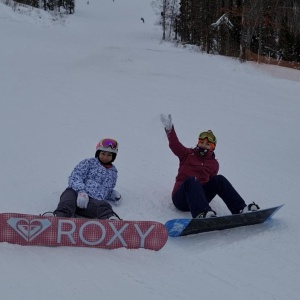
point(116, 197)
point(82, 200)
point(167, 121)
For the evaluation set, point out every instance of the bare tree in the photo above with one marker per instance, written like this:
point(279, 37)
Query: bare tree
point(167, 11)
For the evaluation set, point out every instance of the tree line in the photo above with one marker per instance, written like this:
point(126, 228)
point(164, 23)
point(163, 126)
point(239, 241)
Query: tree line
point(234, 28)
point(52, 5)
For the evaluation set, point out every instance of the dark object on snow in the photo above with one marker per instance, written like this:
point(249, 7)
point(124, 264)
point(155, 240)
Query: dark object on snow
point(143, 20)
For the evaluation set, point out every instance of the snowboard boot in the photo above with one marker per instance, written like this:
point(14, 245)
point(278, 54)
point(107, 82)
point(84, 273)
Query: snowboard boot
point(250, 207)
point(207, 214)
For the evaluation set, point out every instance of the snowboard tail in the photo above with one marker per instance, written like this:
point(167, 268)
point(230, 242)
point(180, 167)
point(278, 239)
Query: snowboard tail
point(33, 230)
point(182, 227)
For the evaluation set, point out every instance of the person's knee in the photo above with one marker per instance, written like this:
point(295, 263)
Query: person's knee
point(219, 178)
point(68, 194)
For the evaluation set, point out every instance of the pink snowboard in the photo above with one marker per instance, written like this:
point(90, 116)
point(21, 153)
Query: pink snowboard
point(31, 230)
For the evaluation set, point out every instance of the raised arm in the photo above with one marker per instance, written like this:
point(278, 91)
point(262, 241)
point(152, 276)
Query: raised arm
point(177, 148)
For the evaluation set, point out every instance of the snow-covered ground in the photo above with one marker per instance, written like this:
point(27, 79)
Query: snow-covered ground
point(103, 72)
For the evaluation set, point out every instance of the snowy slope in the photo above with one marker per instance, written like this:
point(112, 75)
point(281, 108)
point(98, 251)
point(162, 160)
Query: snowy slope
point(102, 72)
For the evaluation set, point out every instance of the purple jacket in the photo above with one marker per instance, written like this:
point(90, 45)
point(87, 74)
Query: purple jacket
point(191, 163)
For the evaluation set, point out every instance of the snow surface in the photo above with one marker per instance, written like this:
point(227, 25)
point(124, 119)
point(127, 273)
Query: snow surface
point(102, 72)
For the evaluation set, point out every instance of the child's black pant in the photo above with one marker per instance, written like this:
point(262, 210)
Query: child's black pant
point(96, 209)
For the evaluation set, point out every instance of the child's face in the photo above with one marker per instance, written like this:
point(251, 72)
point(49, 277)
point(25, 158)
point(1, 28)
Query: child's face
point(105, 157)
point(205, 144)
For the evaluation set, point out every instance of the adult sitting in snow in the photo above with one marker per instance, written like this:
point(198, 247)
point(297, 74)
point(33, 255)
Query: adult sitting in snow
point(91, 183)
point(197, 182)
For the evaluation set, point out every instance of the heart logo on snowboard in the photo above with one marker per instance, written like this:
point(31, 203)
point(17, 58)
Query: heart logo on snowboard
point(29, 229)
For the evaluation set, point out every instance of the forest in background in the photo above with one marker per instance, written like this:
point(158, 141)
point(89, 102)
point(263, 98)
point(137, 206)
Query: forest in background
point(66, 6)
point(262, 30)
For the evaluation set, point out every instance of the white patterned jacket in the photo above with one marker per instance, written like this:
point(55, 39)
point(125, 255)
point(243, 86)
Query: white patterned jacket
point(91, 177)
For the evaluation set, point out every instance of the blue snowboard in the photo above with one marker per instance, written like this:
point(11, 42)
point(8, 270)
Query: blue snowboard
point(181, 227)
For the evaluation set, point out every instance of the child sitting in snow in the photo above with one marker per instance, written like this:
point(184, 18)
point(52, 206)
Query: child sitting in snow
point(91, 184)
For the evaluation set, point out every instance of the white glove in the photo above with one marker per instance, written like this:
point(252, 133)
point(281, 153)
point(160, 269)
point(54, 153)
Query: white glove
point(116, 197)
point(167, 121)
point(82, 200)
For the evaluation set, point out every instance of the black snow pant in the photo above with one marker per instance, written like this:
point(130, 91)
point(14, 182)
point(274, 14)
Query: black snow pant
point(96, 209)
point(194, 197)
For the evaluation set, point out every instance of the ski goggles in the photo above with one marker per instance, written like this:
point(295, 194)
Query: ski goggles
point(208, 135)
point(107, 143)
